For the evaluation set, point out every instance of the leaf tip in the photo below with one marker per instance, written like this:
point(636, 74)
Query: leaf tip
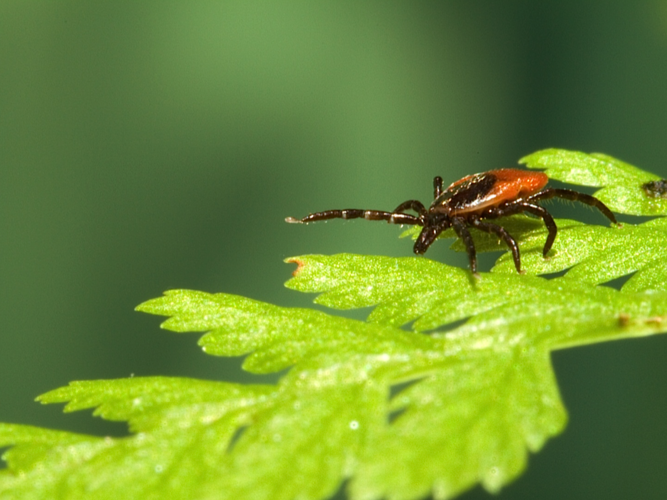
point(141, 307)
point(299, 264)
point(530, 159)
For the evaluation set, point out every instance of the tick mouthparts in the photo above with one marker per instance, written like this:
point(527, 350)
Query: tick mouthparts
point(292, 220)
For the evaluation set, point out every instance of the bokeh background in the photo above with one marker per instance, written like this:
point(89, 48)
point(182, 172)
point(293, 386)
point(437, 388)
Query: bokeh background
point(153, 145)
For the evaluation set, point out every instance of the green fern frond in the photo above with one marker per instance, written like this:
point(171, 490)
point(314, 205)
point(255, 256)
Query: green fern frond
point(448, 383)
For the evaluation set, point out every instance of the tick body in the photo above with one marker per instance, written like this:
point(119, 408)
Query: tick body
point(471, 202)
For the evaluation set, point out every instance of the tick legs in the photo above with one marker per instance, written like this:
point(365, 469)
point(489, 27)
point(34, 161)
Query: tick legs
point(460, 225)
point(502, 233)
point(568, 194)
point(354, 213)
point(415, 205)
point(517, 208)
point(535, 210)
point(397, 216)
point(548, 221)
point(462, 232)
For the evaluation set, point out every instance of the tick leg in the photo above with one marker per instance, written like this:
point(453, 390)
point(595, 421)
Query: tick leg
point(437, 187)
point(568, 194)
point(523, 206)
point(548, 221)
point(415, 205)
point(354, 213)
point(502, 233)
point(462, 232)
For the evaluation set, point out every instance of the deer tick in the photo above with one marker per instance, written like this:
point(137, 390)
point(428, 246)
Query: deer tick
point(471, 202)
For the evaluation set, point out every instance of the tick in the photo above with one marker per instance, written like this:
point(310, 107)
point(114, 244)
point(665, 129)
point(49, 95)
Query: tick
point(471, 202)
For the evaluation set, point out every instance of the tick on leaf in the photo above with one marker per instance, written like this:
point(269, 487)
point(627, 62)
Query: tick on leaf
point(470, 202)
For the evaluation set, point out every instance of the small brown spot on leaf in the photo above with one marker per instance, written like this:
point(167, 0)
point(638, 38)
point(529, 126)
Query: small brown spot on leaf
point(299, 265)
point(623, 319)
point(656, 189)
point(655, 320)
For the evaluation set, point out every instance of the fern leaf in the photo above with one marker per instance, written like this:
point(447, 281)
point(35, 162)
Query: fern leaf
point(447, 384)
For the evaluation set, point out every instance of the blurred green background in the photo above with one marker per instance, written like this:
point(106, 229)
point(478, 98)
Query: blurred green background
point(160, 144)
